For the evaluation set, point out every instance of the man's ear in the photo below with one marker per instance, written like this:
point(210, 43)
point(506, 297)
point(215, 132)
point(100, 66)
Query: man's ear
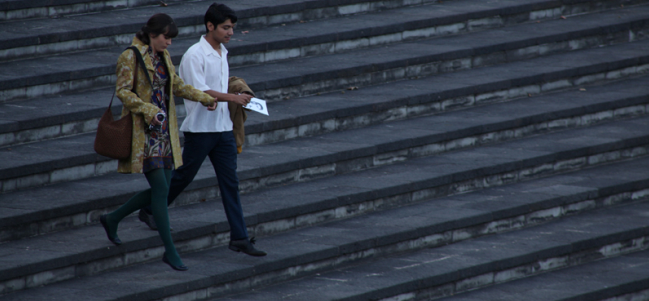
point(210, 26)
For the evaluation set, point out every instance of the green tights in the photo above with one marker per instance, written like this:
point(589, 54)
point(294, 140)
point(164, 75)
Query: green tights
point(156, 196)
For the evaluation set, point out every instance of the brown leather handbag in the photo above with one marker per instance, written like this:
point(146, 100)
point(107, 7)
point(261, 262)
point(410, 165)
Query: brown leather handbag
point(114, 137)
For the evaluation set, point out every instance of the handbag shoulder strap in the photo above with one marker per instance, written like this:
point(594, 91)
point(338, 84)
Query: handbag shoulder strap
point(140, 61)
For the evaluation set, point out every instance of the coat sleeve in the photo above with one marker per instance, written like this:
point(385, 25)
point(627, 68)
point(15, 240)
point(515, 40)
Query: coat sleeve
point(124, 86)
point(238, 85)
point(189, 92)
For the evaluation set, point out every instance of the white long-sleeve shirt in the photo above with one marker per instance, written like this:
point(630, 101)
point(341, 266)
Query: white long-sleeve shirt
point(203, 68)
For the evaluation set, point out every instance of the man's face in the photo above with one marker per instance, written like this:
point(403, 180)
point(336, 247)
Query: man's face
point(222, 32)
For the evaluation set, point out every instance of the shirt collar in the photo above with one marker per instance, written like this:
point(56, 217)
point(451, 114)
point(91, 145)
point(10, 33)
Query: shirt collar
point(207, 48)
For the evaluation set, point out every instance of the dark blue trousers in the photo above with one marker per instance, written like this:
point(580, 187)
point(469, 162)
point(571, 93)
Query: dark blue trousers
point(221, 148)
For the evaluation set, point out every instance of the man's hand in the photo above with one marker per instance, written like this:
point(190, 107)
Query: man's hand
point(213, 106)
point(241, 99)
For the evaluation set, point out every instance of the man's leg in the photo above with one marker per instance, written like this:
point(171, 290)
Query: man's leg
point(224, 160)
point(197, 146)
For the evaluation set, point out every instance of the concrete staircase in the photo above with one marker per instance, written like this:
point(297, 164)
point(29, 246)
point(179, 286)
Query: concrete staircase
point(414, 150)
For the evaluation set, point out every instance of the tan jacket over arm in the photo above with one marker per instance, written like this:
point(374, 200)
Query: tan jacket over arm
point(238, 114)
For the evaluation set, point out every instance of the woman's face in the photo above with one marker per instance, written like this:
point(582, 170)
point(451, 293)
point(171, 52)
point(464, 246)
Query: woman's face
point(159, 43)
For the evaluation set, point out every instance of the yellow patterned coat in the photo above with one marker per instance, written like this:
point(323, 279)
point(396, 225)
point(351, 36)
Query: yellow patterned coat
point(141, 107)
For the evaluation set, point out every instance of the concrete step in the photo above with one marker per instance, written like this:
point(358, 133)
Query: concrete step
point(338, 177)
point(276, 210)
point(375, 66)
point(21, 10)
point(46, 37)
point(434, 273)
point(72, 72)
point(616, 279)
point(73, 157)
point(439, 228)
point(69, 114)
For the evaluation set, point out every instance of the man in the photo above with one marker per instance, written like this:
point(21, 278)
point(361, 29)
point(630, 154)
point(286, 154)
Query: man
point(209, 132)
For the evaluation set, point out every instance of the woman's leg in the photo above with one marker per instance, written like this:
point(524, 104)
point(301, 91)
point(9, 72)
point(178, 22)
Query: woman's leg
point(159, 180)
point(139, 200)
point(156, 196)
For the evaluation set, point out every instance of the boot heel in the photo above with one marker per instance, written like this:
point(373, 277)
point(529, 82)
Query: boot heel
point(181, 268)
point(114, 240)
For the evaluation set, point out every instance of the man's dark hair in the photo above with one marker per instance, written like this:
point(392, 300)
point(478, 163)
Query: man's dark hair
point(219, 13)
point(158, 24)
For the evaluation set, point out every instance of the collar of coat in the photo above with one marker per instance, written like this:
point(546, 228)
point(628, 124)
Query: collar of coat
point(143, 51)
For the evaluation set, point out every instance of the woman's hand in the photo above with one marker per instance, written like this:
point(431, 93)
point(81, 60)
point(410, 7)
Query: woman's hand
point(213, 106)
point(155, 120)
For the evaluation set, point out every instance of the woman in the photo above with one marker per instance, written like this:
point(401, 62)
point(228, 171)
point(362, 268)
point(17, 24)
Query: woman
point(155, 147)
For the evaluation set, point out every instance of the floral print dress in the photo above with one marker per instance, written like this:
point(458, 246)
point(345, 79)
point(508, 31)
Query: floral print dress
point(157, 149)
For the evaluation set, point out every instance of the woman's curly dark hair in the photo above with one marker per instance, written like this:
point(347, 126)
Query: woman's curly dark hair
point(158, 24)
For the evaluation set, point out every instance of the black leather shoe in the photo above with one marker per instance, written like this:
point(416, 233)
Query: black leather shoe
point(245, 246)
point(181, 268)
point(149, 221)
point(114, 240)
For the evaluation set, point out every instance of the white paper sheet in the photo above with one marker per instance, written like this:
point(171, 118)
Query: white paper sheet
point(257, 105)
